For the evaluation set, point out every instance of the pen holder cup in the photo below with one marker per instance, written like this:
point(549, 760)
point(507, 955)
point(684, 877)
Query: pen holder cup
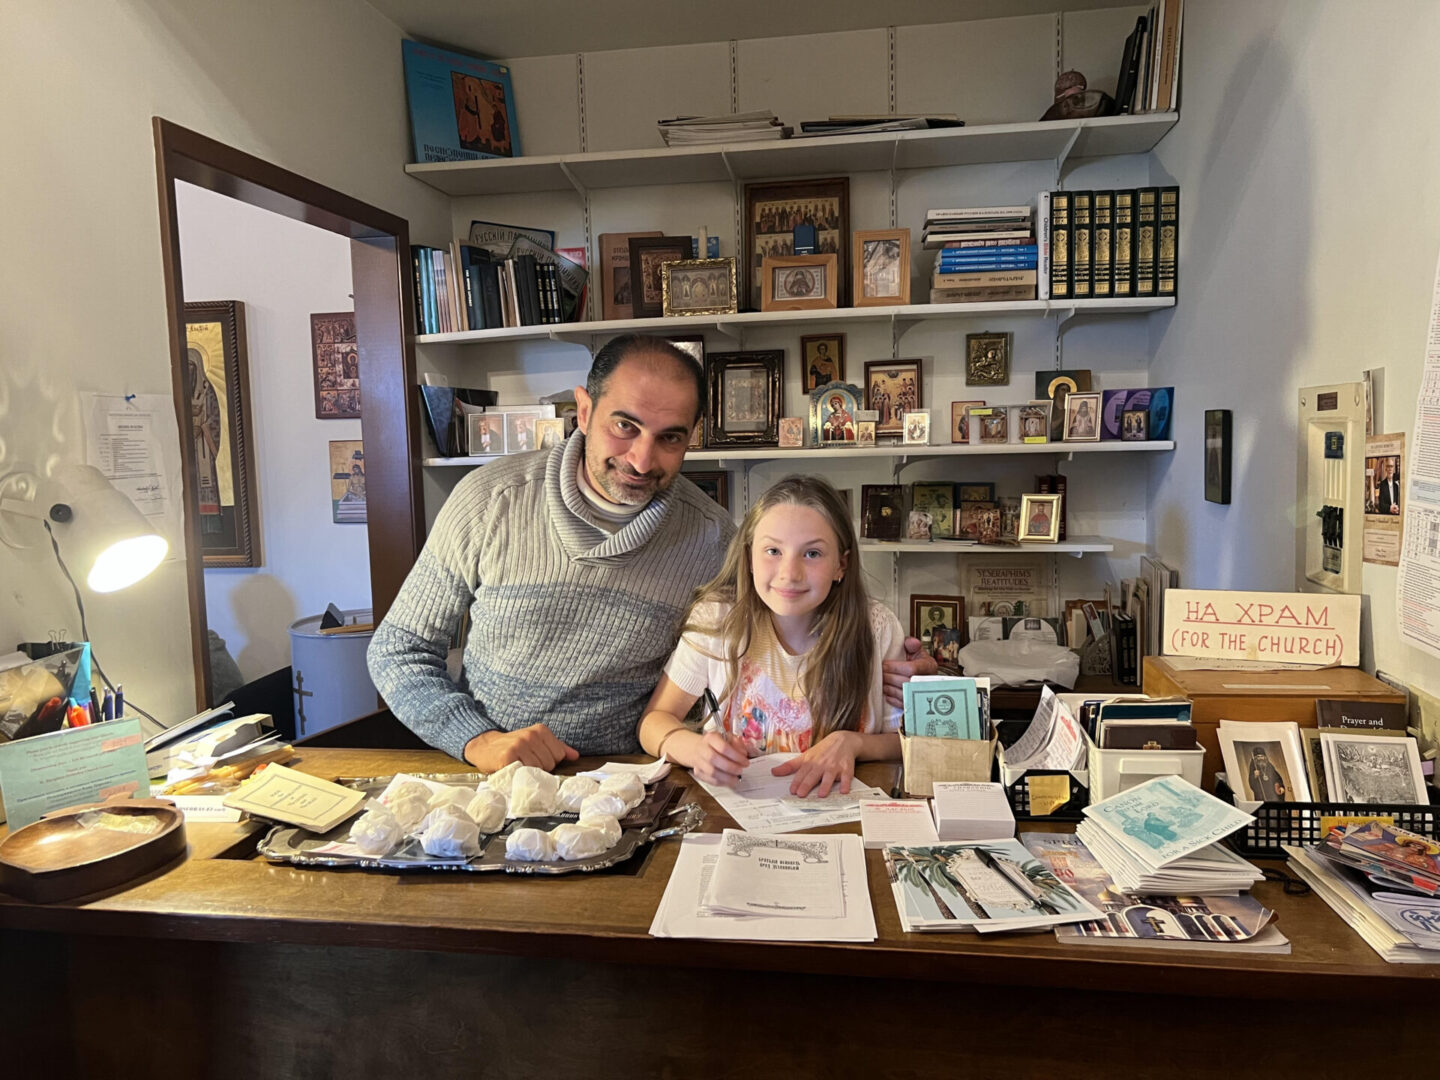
point(929, 761)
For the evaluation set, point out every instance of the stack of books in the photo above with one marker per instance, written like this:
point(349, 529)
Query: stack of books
point(477, 287)
point(1163, 837)
point(1149, 79)
point(983, 254)
point(761, 125)
point(1111, 244)
point(1384, 882)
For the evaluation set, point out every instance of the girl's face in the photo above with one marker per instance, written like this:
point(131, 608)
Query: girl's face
point(795, 558)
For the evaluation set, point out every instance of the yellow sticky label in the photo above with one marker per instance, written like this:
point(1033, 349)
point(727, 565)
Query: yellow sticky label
point(1328, 822)
point(1047, 793)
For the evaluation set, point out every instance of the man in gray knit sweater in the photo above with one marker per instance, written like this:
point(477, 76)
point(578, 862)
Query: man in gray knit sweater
point(576, 565)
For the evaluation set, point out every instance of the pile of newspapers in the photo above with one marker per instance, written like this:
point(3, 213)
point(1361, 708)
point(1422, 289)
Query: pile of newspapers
point(1163, 836)
point(761, 125)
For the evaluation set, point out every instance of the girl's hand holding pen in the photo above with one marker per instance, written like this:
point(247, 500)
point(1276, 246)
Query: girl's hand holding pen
point(719, 759)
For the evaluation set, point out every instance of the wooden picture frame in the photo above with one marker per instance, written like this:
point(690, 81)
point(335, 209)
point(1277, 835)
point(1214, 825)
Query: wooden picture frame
point(217, 376)
point(698, 287)
point(617, 292)
point(648, 254)
point(1217, 456)
point(880, 267)
point(746, 391)
point(960, 420)
point(987, 359)
point(993, 424)
point(891, 387)
point(882, 511)
point(774, 208)
point(335, 358)
point(799, 282)
point(832, 414)
point(1082, 418)
point(822, 360)
point(715, 483)
point(923, 621)
point(1040, 518)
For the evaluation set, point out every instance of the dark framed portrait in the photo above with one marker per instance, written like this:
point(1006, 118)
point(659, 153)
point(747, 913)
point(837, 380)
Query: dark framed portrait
point(744, 402)
point(221, 443)
point(987, 359)
point(648, 254)
point(774, 209)
point(832, 414)
point(882, 511)
point(1217, 456)
point(714, 483)
point(698, 287)
point(337, 366)
point(931, 615)
point(822, 360)
point(892, 387)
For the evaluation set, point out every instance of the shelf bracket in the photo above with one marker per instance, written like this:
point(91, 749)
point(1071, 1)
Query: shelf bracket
point(1063, 315)
point(730, 169)
point(574, 181)
point(1065, 150)
point(730, 330)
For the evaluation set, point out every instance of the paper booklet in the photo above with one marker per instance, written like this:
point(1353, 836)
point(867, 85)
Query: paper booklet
point(1165, 819)
point(680, 916)
point(1218, 923)
point(761, 802)
point(986, 886)
point(296, 798)
point(783, 876)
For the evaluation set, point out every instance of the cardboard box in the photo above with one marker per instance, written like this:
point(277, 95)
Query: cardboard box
point(1255, 696)
point(928, 760)
point(972, 811)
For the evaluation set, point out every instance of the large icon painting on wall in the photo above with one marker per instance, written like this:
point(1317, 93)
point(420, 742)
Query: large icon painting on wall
point(217, 386)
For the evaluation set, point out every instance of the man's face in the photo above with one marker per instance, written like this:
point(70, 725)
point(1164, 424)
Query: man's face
point(637, 431)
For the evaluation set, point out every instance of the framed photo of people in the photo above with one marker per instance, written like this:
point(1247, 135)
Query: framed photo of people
point(891, 388)
point(822, 360)
point(745, 393)
point(774, 209)
point(832, 414)
point(337, 366)
point(221, 443)
point(647, 255)
point(881, 267)
point(799, 282)
point(698, 287)
point(715, 483)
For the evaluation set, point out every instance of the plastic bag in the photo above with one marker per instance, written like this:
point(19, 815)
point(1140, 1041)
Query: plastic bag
point(1015, 663)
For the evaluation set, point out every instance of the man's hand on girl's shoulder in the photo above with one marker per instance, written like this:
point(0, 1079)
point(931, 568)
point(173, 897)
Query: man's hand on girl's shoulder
point(898, 672)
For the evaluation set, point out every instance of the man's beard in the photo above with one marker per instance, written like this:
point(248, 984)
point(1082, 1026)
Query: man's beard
point(605, 475)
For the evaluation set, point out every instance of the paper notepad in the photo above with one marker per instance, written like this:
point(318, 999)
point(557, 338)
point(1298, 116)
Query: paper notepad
point(795, 877)
point(296, 798)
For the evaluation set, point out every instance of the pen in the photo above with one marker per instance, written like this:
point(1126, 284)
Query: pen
point(95, 711)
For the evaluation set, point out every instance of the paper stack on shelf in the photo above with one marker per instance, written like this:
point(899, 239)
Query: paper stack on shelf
point(805, 888)
point(759, 126)
point(1163, 836)
point(862, 125)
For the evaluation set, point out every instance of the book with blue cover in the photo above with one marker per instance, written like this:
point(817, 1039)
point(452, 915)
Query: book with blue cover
point(461, 108)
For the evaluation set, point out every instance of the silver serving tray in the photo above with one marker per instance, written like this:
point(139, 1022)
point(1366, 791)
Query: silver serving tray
point(659, 817)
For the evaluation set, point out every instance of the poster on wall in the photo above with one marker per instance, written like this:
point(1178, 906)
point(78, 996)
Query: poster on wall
point(347, 482)
point(1417, 585)
point(1384, 511)
point(337, 366)
point(217, 383)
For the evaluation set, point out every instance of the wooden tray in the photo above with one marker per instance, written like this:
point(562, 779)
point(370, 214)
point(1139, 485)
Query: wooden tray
point(65, 854)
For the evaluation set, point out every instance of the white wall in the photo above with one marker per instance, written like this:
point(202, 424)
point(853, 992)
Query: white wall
point(1307, 161)
point(314, 87)
point(283, 271)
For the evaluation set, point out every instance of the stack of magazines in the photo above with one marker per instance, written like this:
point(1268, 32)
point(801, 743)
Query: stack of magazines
point(759, 126)
point(864, 124)
point(1163, 836)
point(1384, 882)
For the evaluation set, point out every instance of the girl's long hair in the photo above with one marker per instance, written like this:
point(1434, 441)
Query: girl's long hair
point(838, 671)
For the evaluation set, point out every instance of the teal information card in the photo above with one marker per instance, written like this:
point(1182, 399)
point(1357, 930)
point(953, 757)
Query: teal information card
point(65, 768)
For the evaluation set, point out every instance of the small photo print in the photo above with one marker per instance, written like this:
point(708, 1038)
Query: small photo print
point(865, 433)
point(519, 433)
point(792, 431)
point(1082, 417)
point(486, 434)
point(960, 420)
point(347, 482)
point(1266, 774)
point(798, 283)
point(549, 433)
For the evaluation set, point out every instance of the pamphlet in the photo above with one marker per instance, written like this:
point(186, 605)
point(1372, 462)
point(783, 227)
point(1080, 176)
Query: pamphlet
point(296, 798)
point(792, 877)
point(70, 767)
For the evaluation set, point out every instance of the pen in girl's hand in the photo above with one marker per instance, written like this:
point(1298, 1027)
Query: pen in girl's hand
point(714, 724)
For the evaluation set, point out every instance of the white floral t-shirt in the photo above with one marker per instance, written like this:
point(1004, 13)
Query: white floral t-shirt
point(768, 711)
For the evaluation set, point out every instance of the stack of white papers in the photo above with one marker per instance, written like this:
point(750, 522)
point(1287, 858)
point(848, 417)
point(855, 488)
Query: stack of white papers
point(884, 822)
point(1163, 837)
point(1052, 741)
point(756, 126)
point(761, 801)
point(734, 886)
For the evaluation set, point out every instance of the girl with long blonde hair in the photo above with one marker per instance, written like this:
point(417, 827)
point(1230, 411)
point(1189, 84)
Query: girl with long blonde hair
point(791, 646)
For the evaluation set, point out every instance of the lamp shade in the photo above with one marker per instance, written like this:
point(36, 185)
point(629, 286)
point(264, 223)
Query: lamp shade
point(104, 536)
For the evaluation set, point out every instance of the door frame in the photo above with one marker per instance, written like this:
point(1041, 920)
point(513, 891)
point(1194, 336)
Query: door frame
point(389, 423)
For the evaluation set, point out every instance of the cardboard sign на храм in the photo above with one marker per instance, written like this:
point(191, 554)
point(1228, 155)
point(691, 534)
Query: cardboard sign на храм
point(1292, 628)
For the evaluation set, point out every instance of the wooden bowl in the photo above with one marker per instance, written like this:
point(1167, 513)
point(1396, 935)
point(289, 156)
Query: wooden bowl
point(59, 856)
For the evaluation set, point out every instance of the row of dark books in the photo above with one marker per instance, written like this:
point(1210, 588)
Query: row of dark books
point(1149, 79)
point(982, 254)
point(466, 288)
point(1112, 244)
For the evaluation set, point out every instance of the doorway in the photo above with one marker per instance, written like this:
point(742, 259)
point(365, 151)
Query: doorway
point(378, 251)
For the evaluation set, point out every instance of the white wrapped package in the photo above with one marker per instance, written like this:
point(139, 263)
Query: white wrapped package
point(439, 812)
point(487, 810)
point(406, 789)
point(1015, 663)
point(578, 842)
point(603, 803)
point(603, 823)
point(500, 779)
point(450, 835)
point(445, 795)
point(574, 790)
point(627, 786)
point(376, 832)
point(533, 792)
point(530, 845)
point(410, 807)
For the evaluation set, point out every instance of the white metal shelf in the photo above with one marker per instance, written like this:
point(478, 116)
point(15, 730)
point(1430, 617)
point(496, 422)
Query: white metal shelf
point(878, 151)
point(733, 324)
point(884, 453)
point(1075, 545)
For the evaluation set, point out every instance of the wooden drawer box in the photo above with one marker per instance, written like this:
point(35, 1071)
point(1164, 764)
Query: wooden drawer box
point(1256, 696)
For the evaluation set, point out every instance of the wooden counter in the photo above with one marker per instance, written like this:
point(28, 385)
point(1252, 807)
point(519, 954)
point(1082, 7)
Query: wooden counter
point(462, 968)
